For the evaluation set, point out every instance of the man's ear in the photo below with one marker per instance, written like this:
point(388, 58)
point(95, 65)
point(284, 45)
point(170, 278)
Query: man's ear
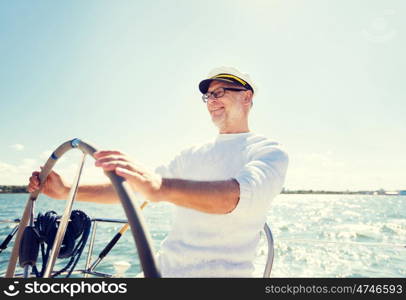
point(248, 98)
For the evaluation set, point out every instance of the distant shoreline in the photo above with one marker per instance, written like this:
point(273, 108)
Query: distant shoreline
point(22, 189)
point(13, 189)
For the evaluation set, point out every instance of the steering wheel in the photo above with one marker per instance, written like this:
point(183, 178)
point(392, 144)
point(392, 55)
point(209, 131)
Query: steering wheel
point(138, 228)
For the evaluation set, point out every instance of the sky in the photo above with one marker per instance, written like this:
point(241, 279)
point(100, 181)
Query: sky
point(124, 74)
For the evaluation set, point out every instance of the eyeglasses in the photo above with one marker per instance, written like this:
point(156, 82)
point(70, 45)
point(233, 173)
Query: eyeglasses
point(218, 93)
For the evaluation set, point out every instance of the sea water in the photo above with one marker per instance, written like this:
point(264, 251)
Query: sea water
point(315, 235)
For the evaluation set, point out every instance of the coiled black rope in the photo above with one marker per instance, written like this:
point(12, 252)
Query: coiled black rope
point(73, 243)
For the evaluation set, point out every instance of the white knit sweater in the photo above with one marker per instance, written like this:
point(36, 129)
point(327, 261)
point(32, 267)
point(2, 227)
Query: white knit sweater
point(211, 245)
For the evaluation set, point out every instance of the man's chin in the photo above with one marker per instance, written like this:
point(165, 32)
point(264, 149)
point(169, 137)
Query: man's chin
point(217, 121)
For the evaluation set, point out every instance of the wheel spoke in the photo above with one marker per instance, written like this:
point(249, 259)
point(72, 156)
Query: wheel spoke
point(64, 221)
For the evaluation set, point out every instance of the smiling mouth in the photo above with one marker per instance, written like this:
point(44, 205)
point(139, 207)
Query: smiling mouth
point(217, 110)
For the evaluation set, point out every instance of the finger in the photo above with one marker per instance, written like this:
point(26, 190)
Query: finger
point(128, 174)
point(102, 153)
point(35, 173)
point(32, 188)
point(110, 158)
point(111, 165)
point(34, 180)
point(126, 162)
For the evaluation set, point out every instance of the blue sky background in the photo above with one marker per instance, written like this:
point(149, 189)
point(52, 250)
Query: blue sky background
point(124, 74)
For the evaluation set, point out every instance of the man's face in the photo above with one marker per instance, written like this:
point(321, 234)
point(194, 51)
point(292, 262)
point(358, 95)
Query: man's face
point(230, 108)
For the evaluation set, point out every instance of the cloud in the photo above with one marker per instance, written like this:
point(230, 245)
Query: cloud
point(90, 175)
point(322, 160)
point(317, 171)
point(329, 171)
point(45, 154)
point(6, 168)
point(28, 164)
point(17, 174)
point(67, 167)
point(17, 147)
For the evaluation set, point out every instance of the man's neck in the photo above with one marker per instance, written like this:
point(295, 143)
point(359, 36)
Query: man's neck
point(242, 129)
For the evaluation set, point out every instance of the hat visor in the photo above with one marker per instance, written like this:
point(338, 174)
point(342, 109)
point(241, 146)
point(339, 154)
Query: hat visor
point(204, 84)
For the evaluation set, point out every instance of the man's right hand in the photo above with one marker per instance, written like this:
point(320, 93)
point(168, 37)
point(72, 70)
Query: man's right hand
point(54, 186)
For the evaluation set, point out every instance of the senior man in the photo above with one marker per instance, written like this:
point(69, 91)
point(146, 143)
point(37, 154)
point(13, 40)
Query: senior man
point(222, 189)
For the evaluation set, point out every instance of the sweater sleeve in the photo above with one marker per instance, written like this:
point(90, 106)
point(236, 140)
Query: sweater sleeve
point(168, 170)
point(262, 178)
point(174, 167)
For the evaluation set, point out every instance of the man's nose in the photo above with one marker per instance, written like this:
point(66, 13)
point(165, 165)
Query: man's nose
point(212, 100)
